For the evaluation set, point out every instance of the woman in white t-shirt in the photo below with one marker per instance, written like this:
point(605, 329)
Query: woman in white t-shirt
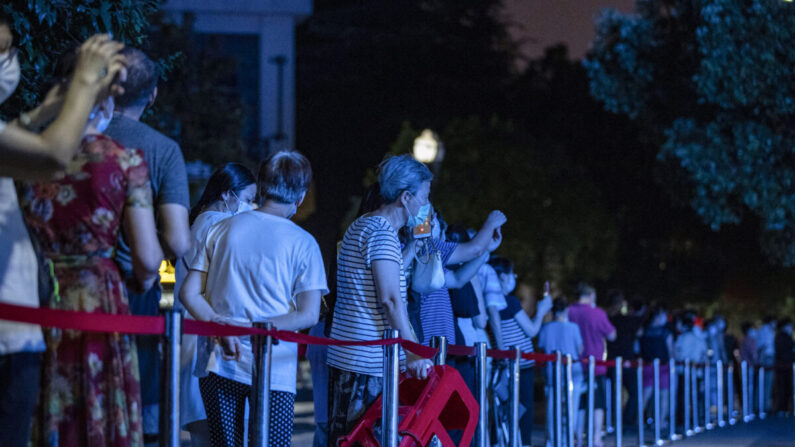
point(230, 190)
point(257, 266)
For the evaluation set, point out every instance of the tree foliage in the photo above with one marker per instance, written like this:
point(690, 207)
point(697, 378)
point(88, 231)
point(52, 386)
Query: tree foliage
point(43, 30)
point(711, 82)
point(558, 228)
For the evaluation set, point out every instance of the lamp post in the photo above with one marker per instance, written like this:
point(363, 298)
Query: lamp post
point(428, 149)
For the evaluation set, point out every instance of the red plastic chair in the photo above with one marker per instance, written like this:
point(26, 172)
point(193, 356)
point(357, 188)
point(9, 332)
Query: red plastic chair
point(428, 407)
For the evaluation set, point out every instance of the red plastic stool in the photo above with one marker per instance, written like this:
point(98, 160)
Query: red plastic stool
point(428, 407)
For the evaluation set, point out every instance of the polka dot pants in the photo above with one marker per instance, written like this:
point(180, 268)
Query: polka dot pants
point(225, 404)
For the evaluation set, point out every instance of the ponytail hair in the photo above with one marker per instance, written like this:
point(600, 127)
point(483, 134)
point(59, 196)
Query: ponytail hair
point(229, 177)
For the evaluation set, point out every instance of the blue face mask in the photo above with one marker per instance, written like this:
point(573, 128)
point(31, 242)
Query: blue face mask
point(419, 218)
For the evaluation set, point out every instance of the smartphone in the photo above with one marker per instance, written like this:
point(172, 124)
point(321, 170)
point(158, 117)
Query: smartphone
point(423, 230)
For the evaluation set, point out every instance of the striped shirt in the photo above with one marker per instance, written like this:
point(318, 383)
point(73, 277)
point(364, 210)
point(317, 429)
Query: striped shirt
point(436, 310)
point(512, 333)
point(358, 314)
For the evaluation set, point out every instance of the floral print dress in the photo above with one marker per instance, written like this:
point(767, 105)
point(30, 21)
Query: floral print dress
point(90, 394)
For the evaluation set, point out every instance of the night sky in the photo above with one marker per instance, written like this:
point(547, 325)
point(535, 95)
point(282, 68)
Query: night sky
point(548, 22)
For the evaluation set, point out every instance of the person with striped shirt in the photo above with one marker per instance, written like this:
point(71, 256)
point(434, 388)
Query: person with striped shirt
point(371, 293)
point(518, 330)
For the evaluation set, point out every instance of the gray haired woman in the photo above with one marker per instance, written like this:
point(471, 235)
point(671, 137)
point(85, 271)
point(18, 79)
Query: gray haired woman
point(371, 292)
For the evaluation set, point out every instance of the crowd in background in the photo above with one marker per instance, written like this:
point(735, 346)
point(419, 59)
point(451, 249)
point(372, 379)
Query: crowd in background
point(92, 199)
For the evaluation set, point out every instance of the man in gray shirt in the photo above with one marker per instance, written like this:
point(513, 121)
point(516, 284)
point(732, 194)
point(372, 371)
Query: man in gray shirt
point(171, 197)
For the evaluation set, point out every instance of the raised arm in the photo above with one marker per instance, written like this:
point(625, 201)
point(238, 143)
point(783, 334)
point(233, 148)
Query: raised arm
point(29, 155)
point(531, 326)
point(455, 279)
point(488, 239)
point(482, 319)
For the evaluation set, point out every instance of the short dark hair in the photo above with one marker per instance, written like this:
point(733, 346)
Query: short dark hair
point(746, 326)
point(284, 177)
point(559, 305)
point(584, 289)
point(501, 265)
point(371, 200)
point(783, 322)
point(141, 78)
point(5, 19)
point(688, 320)
point(458, 233)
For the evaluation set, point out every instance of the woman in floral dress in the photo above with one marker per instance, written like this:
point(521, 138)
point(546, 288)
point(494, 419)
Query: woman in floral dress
point(90, 392)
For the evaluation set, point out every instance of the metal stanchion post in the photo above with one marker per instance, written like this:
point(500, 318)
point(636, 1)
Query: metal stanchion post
point(694, 396)
point(261, 386)
point(719, 384)
point(751, 393)
point(641, 419)
point(440, 342)
point(591, 384)
point(687, 402)
point(514, 388)
point(657, 413)
point(730, 393)
point(389, 411)
point(793, 388)
point(169, 407)
point(707, 397)
point(618, 401)
point(481, 437)
point(608, 405)
point(571, 412)
point(558, 401)
point(744, 390)
point(673, 389)
point(761, 393)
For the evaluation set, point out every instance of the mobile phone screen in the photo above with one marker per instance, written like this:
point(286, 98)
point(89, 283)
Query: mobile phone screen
point(424, 229)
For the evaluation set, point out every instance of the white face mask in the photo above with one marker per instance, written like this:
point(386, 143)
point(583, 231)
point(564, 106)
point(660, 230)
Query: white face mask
point(508, 282)
point(9, 74)
point(242, 207)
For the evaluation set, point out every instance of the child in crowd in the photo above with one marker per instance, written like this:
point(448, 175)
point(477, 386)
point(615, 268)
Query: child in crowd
point(562, 335)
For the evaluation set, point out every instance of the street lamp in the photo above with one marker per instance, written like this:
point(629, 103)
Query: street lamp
point(428, 148)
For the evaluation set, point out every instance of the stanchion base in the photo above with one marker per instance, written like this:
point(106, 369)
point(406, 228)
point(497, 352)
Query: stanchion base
point(675, 437)
point(749, 418)
point(710, 426)
point(721, 424)
point(690, 433)
point(698, 429)
point(659, 442)
point(610, 430)
point(762, 415)
point(732, 421)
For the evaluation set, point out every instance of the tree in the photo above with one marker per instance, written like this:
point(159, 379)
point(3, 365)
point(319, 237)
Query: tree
point(43, 30)
point(557, 227)
point(710, 81)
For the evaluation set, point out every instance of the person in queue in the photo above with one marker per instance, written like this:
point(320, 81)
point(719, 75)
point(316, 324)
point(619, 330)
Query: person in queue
point(76, 221)
point(28, 155)
point(596, 330)
point(518, 330)
point(230, 190)
point(656, 342)
point(169, 183)
point(252, 267)
point(436, 310)
point(371, 293)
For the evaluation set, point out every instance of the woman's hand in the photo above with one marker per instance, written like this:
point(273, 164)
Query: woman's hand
point(94, 65)
point(230, 346)
point(495, 220)
point(417, 366)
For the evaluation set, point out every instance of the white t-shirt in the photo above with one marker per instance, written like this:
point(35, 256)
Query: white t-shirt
point(358, 314)
point(256, 264)
point(18, 273)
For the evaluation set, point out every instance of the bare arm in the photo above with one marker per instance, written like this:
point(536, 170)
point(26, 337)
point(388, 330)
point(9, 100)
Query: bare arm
point(455, 279)
point(496, 326)
point(139, 226)
point(386, 275)
point(528, 325)
point(484, 241)
point(174, 230)
point(305, 315)
point(481, 320)
point(28, 155)
point(192, 296)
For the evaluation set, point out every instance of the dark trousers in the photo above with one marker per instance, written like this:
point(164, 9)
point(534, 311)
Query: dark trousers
point(629, 380)
point(147, 304)
point(526, 382)
point(19, 392)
